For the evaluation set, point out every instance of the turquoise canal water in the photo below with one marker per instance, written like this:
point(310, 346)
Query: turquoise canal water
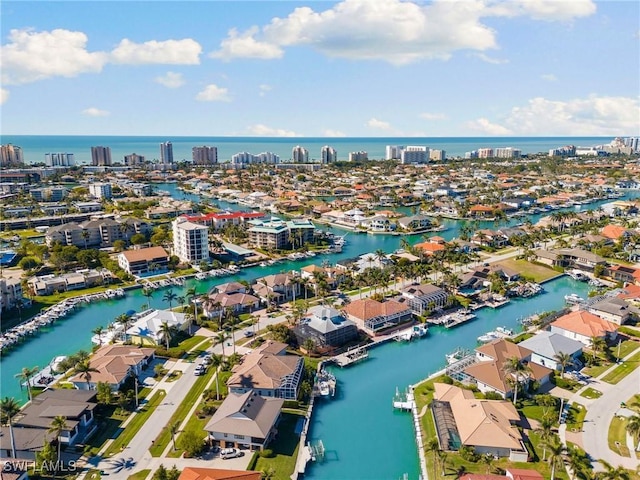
point(363, 436)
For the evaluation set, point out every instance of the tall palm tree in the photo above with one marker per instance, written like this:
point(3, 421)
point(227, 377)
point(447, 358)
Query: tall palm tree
point(633, 428)
point(98, 331)
point(220, 338)
point(598, 344)
point(148, 293)
point(433, 447)
point(612, 473)
point(124, 319)
point(173, 429)
point(85, 369)
point(57, 427)
point(165, 332)
point(9, 408)
point(216, 362)
point(556, 450)
point(181, 301)
point(25, 375)
point(545, 431)
point(169, 297)
point(518, 370)
point(192, 295)
point(85, 236)
point(564, 360)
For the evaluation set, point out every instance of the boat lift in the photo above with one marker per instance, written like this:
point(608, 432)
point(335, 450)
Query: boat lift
point(317, 451)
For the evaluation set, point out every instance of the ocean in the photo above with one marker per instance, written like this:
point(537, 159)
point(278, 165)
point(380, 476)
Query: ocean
point(34, 147)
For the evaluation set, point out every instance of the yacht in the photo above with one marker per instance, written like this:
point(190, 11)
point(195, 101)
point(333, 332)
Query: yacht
point(488, 337)
point(573, 299)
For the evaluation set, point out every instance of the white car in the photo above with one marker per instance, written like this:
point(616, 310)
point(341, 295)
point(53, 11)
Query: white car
point(200, 370)
point(227, 453)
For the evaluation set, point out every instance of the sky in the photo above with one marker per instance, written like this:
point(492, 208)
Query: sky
point(371, 68)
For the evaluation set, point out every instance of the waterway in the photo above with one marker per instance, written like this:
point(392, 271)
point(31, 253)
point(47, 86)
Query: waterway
point(363, 436)
point(359, 428)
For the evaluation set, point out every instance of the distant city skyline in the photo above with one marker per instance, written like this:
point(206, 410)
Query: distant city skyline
point(321, 69)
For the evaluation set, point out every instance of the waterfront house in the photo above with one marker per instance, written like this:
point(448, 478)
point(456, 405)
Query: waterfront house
point(489, 426)
point(373, 316)
point(624, 274)
point(583, 326)
point(200, 473)
point(547, 345)
point(326, 327)
point(245, 420)
point(31, 427)
point(237, 302)
point(333, 275)
point(615, 310)
point(570, 258)
point(424, 298)
point(617, 232)
point(115, 364)
point(146, 330)
point(415, 223)
point(429, 248)
point(220, 220)
point(152, 260)
point(269, 371)
point(510, 474)
point(278, 288)
point(488, 372)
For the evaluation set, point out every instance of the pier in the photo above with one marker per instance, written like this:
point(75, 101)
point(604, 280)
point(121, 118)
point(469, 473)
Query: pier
point(351, 356)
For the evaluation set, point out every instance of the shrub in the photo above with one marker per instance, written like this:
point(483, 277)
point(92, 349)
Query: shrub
point(446, 379)
point(291, 404)
point(267, 453)
point(630, 332)
point(468, 454)
point(493, 396)
point(174, 352)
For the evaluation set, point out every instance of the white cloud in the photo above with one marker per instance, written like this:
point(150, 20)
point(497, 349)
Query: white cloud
point(395, 31)
point(432, 116)
point(379, 124)
point(214, 93)
point(29, 56)
point(174, 52)
point(495, 61)
point(264, 88)
point(4, 95)
point(333, 133)
point(549, 77)
point(95, 112)
point(170, 80)
point(261, 130)
point(484, 126)
point(590, 116)
point(245, 46)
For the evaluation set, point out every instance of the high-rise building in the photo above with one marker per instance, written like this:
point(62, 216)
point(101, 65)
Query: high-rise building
point(415, 154)
point(360, 156)
point(190, 241)
point(485, 153)
point(328, 154)
point(267, 157)
point(100, 190)
point(166, 152)
point(133, 159)
point(59, 159)
point(393, 152)
point(101, 156)
point(437, 155)
point(204, 155)
point(10, 155)
point(300, 154)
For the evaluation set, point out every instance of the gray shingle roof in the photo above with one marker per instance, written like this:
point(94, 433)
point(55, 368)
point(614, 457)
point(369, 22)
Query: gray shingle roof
point(549, 344)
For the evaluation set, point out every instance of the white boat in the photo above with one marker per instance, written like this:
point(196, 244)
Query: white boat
point(326, 383)
point(201, 276)
point(457, 355)
point(504, 332)
point(573, 299)
point(487, 337)
point(263, 264)
point(420, 330)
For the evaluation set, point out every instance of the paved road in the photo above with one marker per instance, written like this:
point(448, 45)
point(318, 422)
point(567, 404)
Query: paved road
point(599, 415)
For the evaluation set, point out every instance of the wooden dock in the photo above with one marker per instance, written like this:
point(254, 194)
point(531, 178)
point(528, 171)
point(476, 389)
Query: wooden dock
point(351, 356)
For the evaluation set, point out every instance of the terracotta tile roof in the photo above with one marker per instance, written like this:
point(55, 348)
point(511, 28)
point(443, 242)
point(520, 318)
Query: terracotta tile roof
point(614, 231)
point(630, 291)
point(150, 253)
point(585, 323)
point(523, 474)
point(367, 308)
point(193, 473)
point(430, 247)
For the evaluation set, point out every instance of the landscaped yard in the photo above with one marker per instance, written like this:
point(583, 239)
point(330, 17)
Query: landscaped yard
point(285, 449)
point(538, 273)
point(626, 348)
point(622, 370)
point(575, 418)
point(591, 393)
point(617, 436)
point(141, 475)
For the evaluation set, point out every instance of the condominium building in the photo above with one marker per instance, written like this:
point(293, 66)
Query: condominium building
point(133, 159)
point(49, 194)
point(152, 260)
point(267, 157)
point(96, 233)
point(485, 153)
point(277, 234)
point(190, 241)
point(101, 156)
point(414, 154)
point(437, 155)
point(360, 156)
point(300, 154)
point(393, 152)
point(100, 190)
point(59, 159)
point(166, 152)
point(10, 293)
point(328, 154)
point(10, 155)
point(508, 152)
point(204, 155)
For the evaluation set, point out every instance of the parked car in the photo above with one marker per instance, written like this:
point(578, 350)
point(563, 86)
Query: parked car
point(207, 359)
point(227, 453)
point(248, 333)
point(200, 370)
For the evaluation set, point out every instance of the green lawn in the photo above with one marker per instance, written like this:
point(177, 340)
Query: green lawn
point(191, 342)
point(575, 418)
point(162, 440)
point(136, 423)
point(591, 393)
point(141, 475)
point(622, 370)
point(285, 449)
point(617, 436)
point(538, 273)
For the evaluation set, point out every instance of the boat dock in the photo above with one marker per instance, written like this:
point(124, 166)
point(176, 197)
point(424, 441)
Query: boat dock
point(458, 318)
point(404, 401)
point(351, 356)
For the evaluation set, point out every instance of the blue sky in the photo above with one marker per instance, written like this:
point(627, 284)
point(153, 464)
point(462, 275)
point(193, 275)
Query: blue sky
point(351, 68)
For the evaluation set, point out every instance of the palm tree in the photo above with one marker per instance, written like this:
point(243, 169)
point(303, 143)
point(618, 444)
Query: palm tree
point(165, 332)
point(123, 319)
point(181, 301)
point(25, 375)
point(98, 331)
point(598, 344)
point(545, 431)
point(192, 295)
point(488, 460)
point(147, 292)
point(564, 360)
point(220, 338)
point(556, 450)
point(85, 369)
point(517, 369)
point(579, 464)
point(57, 427)
point(216, 362)
point(173, 428)
point(433, 447)
point(612, 473)
point(633, 428)
point(169, 297)
point(85, 236)
point(9, 408)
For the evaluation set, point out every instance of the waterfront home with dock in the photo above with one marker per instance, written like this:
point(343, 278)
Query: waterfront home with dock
point(325, 327)
point(547, 345)
point(583, 326)
point(373, 316)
